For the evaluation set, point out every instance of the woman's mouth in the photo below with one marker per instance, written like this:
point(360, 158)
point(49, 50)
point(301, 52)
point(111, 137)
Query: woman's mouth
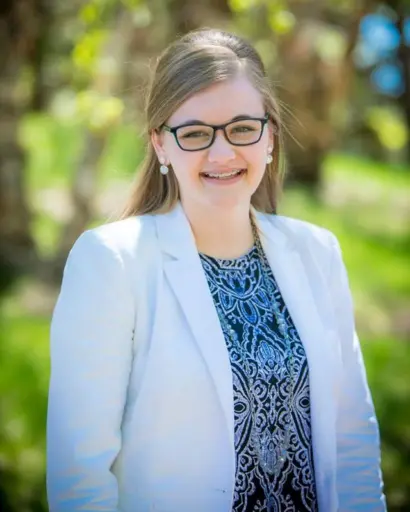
point(223, 176)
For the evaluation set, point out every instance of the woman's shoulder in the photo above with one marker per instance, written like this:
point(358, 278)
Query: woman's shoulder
point(122, 237)
point(312, 241)
point(300, 232)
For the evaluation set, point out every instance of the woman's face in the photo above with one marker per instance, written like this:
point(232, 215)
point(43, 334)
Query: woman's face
point(217, 105)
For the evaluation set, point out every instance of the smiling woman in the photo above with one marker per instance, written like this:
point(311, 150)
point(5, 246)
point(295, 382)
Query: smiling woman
point(216, 136)
point(215, 82)
point(203, 348)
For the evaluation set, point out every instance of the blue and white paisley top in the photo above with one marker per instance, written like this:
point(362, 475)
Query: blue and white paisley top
point(261, 417)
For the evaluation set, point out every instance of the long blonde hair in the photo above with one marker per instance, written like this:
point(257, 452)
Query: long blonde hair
point(194, 62)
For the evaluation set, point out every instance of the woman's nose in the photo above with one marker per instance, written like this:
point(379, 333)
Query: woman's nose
point(221, 149)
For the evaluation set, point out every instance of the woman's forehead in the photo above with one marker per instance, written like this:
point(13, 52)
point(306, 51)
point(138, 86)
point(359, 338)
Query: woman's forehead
point(221, 102)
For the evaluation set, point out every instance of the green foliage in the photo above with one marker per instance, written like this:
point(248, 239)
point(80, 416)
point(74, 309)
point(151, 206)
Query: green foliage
point(98, 112)
point(95, 70)
point(389, 126)
point(367, 205)
point(23, 393)
point(330, 45)
point(240, 6)
point(88, 48)
point(280, 20)
point(388, 368)
point(51, 150)
point(53, 147)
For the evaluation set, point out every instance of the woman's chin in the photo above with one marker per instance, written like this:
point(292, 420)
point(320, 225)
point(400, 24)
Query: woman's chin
point(228, 201)
point(217, 200)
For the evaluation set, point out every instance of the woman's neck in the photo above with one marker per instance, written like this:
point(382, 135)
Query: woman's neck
point(220, 233)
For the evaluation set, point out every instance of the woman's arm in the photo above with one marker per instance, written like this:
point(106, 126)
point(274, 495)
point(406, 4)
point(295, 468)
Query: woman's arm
point(359, 478)
point(91, 350)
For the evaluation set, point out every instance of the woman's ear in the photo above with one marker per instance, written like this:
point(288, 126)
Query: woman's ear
point(272, 130)
point(157, 143)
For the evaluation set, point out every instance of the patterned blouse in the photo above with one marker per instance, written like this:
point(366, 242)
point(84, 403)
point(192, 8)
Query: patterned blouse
point(261, 412)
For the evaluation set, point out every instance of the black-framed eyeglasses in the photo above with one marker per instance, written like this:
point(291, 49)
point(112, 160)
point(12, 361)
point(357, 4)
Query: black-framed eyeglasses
point(198, 136)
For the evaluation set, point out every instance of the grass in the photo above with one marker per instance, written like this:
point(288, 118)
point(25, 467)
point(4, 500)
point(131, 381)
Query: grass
point(373, 230)
point(361, 172)
point(23, 401)
point(381, 259)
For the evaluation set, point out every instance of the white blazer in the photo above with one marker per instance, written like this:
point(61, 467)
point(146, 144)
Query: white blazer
point(140, 413)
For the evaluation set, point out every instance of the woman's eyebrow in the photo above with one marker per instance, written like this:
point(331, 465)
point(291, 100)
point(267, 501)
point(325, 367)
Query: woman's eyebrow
point(236, 118)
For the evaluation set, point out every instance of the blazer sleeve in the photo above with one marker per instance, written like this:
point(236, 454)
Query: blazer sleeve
point(359, 479)
point(91, 352)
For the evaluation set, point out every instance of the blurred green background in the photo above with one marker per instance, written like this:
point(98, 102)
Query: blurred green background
point(72, 83)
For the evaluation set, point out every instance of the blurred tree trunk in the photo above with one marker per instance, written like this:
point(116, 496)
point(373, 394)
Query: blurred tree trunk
point(21, 25)
point(315, 89)
point(108, 82)
point(83, 190)
point(304, 94)
point(187, 15)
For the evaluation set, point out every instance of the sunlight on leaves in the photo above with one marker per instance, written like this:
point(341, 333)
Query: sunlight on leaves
point(131, 4)
point(89, 13)
point(142, 16)
point(88, 48)
point(388, 126)
point(239, 6)
point(97, 111)
point(331, 45)
point(281, 22)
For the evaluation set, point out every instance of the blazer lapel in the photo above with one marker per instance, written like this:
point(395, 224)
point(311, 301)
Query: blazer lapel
point(290, 273)
point(184, 272)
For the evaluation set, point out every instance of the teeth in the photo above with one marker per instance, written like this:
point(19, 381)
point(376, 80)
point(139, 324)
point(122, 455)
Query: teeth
point(223, 175)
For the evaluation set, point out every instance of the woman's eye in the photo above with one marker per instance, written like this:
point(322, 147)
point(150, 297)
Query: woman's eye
point(243, 128)
point(191, 135)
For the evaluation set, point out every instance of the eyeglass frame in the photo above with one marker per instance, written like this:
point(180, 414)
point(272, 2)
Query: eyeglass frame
point(264, 120)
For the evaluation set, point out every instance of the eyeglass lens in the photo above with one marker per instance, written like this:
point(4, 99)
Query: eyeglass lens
point(238, 132)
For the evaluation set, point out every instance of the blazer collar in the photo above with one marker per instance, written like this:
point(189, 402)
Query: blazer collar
point(177, 240)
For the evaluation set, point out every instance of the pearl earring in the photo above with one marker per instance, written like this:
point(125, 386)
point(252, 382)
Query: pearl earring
point(269, 158)
point(164, 168)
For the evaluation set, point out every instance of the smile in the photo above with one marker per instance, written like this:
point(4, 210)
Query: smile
point(224, 175)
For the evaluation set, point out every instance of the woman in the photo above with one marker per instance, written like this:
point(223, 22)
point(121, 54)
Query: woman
point(203, 349)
